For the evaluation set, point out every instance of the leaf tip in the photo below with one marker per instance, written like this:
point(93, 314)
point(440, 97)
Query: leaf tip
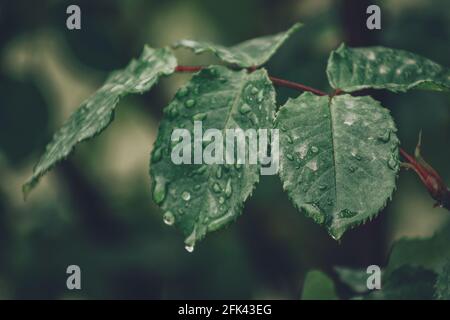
point(27, 187)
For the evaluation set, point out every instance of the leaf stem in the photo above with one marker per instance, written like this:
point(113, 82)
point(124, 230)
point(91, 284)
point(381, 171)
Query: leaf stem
point(275, 81)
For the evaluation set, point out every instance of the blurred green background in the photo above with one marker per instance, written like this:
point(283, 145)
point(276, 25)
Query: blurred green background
point(95, 209)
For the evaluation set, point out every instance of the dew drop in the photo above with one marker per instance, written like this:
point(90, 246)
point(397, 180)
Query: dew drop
point(303, 151)
point(393, 163)
point(189, 103)
point(182, 92)
point(173, 112)
point(219, 173)
point(186, 196)
point(356, 156)
point(213, 72)
point(289, 139)
point(312, 165)
point(260, 96)
point(159, 191)
point(346, 213)
point(169, 218)
point(228, 189)
point(245, 108)
point(385, 136)
point(217, 188)
point(157, 155)
point(196, 90)
point(190, 240)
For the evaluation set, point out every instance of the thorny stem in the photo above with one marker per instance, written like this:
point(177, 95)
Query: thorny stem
point(275, 81)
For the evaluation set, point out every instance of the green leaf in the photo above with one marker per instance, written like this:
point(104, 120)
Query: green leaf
point(352, 69)
point(431, 253)
point(318, 286)
point(97, 112)
point(250, 53)
point(443, 283)
point(199, 198)
point(338, 158)
point(406, 283)
point(355, 279)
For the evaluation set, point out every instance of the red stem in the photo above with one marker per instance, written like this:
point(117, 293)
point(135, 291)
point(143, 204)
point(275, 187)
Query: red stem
point(276, 81)
point(188, 68)
point(295, 86)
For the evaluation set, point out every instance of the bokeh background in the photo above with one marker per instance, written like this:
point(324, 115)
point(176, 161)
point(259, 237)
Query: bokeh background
point(95, 209)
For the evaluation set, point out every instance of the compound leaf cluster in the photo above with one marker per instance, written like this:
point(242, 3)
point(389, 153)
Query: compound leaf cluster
point(338, 153)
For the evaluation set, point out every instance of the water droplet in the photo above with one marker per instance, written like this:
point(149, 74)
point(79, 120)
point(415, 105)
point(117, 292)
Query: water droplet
point(254, 90)
point(289, 139)
point(245, 108)
point(356, 156)
point(314, 149)
point(199, 116)
point(189, 103)
point(201, 170)
point(159, 190)
point(302, 152)
point(173, 112)
point(219, 172)
point(182, 92)
point(169, 218)
point(385, 136)
point(313, 165)
point(157, 155)
point(260, 96)
point(228, 189)
point(217, 188)
point(186, 196)
point(393, 163)
point(196, 90)
point(289, 156)
point(213, 72)
point(190, 240)
point(349, 119)
point(346, 213)
point(221, 200)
